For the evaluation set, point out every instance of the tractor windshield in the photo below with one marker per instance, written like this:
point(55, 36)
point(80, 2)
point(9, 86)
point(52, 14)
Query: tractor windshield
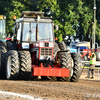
point(29, 31)
point(45, 32)
point(2, 29)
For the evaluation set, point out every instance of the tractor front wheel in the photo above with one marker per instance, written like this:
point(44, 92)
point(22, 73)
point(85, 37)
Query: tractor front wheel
point(12, 66)
point(77, 67)
point(25, 65)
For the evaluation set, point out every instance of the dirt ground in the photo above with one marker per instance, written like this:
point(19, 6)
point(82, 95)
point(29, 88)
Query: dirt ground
point(82, 90)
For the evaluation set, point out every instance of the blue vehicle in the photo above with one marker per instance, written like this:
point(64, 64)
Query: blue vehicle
point(79, 46)
point(72, 49)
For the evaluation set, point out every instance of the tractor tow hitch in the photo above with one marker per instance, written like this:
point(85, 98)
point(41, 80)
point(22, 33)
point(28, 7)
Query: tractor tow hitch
point(48, 62)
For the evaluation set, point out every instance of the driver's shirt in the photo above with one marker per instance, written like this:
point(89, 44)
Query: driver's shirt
point(33, 37)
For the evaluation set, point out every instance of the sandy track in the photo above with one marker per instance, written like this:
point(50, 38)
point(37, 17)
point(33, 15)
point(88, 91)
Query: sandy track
point(55, 90)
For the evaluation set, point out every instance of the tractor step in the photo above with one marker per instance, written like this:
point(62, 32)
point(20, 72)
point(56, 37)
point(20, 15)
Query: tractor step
point(44, 71)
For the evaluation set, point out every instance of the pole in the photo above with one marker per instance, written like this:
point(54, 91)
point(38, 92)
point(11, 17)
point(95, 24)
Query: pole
point(98, 73)
point(94, 26)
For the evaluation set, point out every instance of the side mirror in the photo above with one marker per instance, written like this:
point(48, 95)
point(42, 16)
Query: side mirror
point(56, 27)
point(12, 38)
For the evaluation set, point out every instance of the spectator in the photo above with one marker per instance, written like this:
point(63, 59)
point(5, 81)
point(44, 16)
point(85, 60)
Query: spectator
point(92, 65)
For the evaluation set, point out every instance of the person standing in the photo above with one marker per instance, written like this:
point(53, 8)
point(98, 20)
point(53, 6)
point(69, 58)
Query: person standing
point(92, 65)
point(33, 34)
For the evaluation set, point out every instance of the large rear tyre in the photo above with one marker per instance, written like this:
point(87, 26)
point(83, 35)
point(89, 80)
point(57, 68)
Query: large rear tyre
point(12, 66)
point(56, 49)
point(62, 45)
point(25, 65)
point(3, 49)
point(77, 67)
point(65, 62)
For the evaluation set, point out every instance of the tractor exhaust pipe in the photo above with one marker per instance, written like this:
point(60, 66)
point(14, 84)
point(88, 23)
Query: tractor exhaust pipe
point(37, 28)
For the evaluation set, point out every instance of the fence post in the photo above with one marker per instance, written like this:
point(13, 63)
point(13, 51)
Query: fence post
point(98, 73)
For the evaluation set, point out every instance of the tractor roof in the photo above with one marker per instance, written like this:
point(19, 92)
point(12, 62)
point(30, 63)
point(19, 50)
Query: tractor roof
point(31, 14)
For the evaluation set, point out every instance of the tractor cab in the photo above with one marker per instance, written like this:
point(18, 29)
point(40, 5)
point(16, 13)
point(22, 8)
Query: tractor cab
point(2, 27)
point(35, 33)
point(32, 27)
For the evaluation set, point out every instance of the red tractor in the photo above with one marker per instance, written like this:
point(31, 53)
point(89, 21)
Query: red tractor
point(32, 51)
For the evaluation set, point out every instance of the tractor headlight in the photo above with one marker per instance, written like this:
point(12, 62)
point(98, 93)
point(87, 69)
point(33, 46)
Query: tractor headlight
point(25, 45)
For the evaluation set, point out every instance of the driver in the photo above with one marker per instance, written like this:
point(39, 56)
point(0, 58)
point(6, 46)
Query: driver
point(31, 35)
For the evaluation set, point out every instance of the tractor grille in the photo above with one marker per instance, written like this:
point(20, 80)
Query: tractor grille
point(46, 52)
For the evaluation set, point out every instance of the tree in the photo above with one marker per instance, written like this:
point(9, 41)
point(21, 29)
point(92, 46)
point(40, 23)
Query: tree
point(85, 20)
point(60, 15)
point(72, 16)
point(15, 7)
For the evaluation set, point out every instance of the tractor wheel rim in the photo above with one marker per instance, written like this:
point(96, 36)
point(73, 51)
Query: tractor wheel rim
point(71, 72)
point(8, 67)
point(72, 65)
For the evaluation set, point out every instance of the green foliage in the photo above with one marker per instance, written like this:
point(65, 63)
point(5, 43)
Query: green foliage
point(15, 7)
point(72, 16)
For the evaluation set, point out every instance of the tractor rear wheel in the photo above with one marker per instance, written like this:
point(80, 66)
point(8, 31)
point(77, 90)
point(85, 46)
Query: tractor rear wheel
point(12, 66)
point(56, 49)
point(77, 67)
point(3, 49)
point(62, 45)
point(65, 62)
point(25, 65)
